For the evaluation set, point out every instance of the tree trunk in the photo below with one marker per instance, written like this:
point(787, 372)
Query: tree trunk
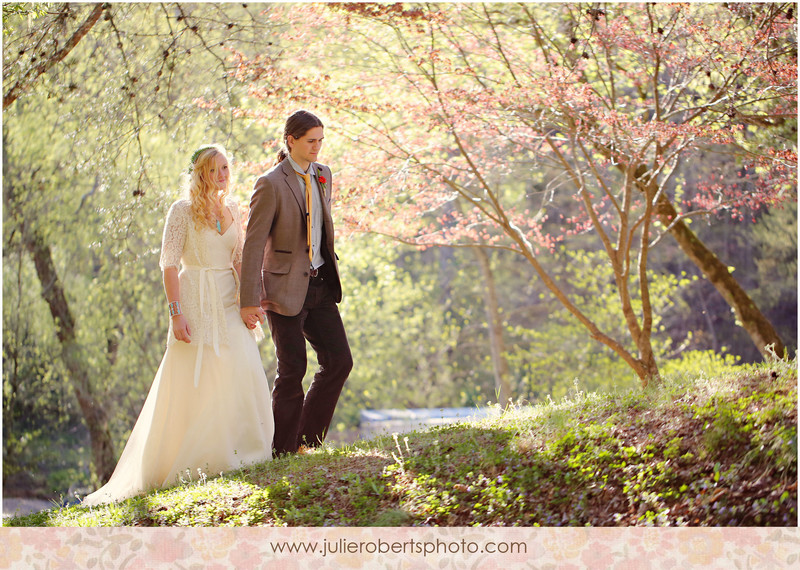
point(759, 328)
point(495, 323)
point(79, 375)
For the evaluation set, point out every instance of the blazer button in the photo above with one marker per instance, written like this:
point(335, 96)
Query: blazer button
point(305, 274)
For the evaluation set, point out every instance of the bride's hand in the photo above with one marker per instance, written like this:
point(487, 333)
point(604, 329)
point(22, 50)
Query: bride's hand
point(180, 328)
point(252, 316)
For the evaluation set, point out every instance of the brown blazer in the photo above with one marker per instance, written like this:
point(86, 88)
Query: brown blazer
point(275, 266)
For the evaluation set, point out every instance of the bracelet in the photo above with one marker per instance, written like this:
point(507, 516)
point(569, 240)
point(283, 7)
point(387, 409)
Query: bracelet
point(174, 308)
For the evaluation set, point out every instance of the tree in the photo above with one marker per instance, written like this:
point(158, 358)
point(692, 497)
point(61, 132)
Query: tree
point(511, 110)
point(401, 337)
point(42, 49)
point(495, 323)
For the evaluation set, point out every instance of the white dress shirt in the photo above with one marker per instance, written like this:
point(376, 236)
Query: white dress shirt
point(316, 211)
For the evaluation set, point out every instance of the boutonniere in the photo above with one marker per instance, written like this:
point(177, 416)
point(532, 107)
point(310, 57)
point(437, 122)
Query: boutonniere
point(322, 180)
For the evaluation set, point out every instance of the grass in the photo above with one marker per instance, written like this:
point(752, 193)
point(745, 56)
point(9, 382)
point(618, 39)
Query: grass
point(693, 451)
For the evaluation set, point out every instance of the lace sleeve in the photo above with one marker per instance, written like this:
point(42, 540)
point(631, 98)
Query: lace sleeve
point(174, 235)
point(237, 219)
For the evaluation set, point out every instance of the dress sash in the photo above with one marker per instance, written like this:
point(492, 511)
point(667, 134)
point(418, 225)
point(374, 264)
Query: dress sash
point(208, 282)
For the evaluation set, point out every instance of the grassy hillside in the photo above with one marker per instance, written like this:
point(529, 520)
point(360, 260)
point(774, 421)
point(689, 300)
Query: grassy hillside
point(698, 451)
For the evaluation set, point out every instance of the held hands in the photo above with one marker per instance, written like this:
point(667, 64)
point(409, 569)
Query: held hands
point(252, 316)
point(180, 328)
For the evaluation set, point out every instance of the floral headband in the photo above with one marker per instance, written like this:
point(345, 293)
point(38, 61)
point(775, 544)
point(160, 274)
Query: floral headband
point(195, 155)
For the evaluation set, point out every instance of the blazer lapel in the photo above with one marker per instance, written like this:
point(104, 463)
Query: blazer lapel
point(326, 209)
point(294, 185)
point(327, 219)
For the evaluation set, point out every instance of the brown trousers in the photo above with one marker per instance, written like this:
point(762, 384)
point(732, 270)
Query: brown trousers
point(303, 419)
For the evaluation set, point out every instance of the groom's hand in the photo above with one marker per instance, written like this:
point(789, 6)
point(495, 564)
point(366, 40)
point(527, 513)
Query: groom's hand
point(252, 316)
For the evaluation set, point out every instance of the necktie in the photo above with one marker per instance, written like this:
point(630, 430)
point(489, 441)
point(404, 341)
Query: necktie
point(307, 179)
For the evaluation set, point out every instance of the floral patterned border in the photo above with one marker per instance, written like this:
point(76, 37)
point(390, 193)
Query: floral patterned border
point(509, 548)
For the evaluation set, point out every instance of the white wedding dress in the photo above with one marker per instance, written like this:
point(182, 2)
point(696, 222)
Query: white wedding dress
point(209, 408)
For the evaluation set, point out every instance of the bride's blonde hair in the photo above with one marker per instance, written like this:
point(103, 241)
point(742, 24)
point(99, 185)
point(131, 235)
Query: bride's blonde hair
point(202, 187)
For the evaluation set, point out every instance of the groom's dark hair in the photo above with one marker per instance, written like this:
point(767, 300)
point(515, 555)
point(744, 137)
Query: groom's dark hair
point(297, 125)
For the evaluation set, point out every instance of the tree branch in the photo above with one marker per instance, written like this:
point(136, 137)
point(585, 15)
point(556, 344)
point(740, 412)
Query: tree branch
point(23, 84)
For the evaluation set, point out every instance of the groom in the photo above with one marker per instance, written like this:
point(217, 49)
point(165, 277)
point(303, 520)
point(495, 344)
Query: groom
point(290, 271)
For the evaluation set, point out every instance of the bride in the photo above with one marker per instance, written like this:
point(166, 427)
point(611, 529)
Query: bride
point(209, 407)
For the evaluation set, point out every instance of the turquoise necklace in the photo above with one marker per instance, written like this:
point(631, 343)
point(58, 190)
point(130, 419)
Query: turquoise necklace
point(219, 221)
